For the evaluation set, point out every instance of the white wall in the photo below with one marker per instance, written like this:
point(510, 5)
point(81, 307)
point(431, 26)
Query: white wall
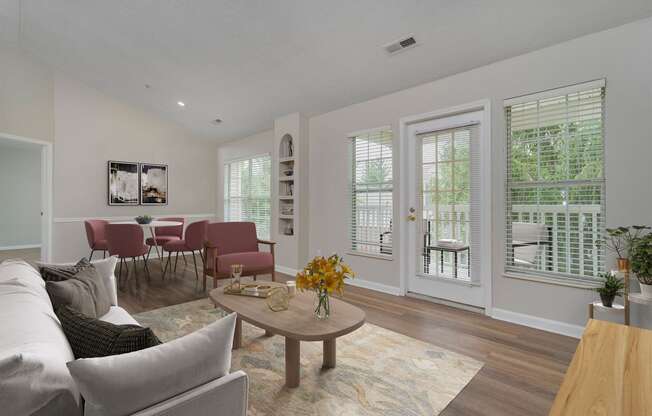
point(91, 129)
point(26, 97)
point(20, 190)
point(622, 55)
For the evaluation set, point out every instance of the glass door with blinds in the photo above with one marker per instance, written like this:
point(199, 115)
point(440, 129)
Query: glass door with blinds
point(445, 210)
point(247, 192)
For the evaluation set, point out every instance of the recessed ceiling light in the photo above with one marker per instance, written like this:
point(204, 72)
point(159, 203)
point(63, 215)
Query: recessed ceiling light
point(217, 121)
point(181, 104)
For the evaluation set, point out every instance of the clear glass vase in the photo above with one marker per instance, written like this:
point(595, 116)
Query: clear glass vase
point(322, 304)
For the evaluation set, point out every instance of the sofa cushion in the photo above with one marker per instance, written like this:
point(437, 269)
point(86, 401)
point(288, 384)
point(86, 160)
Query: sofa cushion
point(33, 348)
point(124, 384)
point(91, 337)
point(252, 261)
point(85, 292)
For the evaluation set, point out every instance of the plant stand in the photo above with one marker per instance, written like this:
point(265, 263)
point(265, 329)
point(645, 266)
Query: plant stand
point(616, 308)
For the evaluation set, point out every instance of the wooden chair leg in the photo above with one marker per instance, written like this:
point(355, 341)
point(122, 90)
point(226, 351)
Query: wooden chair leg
point(255, 277)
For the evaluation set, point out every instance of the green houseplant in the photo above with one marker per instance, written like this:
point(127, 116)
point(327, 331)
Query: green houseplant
point(611, 287)
point(641, 258)
point(621, 239)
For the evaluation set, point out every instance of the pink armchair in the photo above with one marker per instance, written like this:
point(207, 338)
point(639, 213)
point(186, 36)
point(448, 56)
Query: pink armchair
point(230, 243)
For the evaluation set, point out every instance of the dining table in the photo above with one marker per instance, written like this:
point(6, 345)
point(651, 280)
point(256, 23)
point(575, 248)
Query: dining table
point(151, 226)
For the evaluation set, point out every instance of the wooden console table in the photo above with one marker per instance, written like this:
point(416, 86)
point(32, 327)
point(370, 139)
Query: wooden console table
point(610, 374)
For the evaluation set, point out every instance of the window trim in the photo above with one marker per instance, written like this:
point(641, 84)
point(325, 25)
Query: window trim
point(559, 279)
point(226, 165)
point(351, 166)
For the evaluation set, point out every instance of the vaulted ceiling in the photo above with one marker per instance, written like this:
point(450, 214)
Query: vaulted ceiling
point(248, 62)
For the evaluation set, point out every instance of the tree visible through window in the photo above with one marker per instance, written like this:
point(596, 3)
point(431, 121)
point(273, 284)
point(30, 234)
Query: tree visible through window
point(247, 192)
point(372, 192)
point(555, 184)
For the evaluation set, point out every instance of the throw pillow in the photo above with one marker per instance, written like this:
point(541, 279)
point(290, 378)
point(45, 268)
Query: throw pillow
point(84, 292)
point(60, 272)
point(89, 337)
point(124, 384)
point(105, 267)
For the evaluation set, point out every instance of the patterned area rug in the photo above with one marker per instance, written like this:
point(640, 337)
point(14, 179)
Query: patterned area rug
point(379, 372)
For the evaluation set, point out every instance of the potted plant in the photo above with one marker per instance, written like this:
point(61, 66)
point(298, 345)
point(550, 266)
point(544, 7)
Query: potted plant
point(641, 258)
point(620, 240)
point(611, 287)
point(324, 276)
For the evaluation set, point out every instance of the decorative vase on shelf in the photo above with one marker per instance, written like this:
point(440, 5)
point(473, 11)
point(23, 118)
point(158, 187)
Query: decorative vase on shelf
point(322, 304)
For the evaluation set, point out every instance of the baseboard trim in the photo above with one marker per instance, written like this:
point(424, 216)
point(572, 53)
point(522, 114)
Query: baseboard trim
point(20, 247)
point(378, 287)
point(286, 270)
point(543, 324)
point(127, 217)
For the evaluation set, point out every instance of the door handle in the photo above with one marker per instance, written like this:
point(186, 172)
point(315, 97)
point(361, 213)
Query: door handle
point(412, 216)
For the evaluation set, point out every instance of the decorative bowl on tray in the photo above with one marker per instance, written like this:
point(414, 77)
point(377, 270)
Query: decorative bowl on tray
point(143, 219)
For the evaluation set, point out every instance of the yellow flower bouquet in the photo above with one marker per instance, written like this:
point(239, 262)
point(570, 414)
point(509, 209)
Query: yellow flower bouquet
point(325, 276)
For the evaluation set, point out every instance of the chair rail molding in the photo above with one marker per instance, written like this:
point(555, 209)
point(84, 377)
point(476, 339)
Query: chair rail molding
point(60, 220)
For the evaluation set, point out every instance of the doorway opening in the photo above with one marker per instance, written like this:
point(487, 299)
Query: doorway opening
point(25, 185)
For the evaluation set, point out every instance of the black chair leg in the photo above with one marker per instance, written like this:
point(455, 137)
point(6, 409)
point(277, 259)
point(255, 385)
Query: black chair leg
point(195, 261)
point(166, 265)
point(120, 284)
point(126, 278)
point(133, 261)
point(90, 257)
point(149, 277)
point(176, 260)
point(149, 251)
point(103, 254)
point(185, 261)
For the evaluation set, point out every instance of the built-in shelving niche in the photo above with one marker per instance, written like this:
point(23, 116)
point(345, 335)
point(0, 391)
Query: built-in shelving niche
point(286, 189)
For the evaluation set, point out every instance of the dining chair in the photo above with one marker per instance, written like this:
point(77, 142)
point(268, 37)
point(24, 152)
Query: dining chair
point(126, 241)
point(96, 236)
point(193, 241)
point(166, 234)
point(229, 243)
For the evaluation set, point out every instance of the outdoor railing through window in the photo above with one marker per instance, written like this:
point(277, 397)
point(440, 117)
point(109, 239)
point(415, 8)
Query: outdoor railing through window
point(564, 252)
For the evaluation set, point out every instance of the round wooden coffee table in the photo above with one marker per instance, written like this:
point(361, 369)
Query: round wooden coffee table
point(296, 324)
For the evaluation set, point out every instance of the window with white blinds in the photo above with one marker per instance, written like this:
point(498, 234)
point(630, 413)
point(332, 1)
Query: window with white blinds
point(372, 192)
point(555, 182)
point(247, 192)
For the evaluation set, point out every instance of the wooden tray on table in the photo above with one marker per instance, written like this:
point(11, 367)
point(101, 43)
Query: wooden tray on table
point(263, 289)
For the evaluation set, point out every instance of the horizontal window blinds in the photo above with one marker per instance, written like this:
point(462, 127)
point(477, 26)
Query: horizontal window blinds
point(247, 192)
point(555, 184)
point(371, 192)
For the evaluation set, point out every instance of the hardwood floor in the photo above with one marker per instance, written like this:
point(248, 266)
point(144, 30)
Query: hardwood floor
point(523, 367)
point(29, 254)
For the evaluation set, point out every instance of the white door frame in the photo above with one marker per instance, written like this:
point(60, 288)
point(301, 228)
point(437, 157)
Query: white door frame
point(485, 191)
point(47, 168)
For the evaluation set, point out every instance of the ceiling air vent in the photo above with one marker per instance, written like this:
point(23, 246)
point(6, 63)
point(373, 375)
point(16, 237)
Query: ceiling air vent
point(400, 45)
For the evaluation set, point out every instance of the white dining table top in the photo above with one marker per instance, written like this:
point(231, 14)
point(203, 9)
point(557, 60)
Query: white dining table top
point(154, 223)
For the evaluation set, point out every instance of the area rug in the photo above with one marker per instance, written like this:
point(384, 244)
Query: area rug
point(378, 372)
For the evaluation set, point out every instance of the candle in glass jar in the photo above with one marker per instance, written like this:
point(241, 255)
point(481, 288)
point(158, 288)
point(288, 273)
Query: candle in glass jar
point(292, 287)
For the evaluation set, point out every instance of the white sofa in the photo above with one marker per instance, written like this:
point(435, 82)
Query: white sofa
point(34, 379)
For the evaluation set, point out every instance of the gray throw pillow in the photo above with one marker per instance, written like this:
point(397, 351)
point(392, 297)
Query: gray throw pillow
point(127, 383)
point(60, 272)
point(85, 292)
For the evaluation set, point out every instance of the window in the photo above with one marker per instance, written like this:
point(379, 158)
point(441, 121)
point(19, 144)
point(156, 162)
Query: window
point(247, 194)
point(371, 192)
point(555, 182)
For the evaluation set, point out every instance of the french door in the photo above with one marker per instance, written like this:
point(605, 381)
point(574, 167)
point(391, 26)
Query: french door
point(443, 221)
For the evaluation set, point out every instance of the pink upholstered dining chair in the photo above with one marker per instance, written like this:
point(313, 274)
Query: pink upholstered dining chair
point(194, 241)
point(166, 234)
point(96, 236)
point(126, 241)
point(230, 243)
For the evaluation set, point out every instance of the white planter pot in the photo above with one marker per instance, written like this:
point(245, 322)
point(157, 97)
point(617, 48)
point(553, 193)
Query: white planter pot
point(646, 290)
